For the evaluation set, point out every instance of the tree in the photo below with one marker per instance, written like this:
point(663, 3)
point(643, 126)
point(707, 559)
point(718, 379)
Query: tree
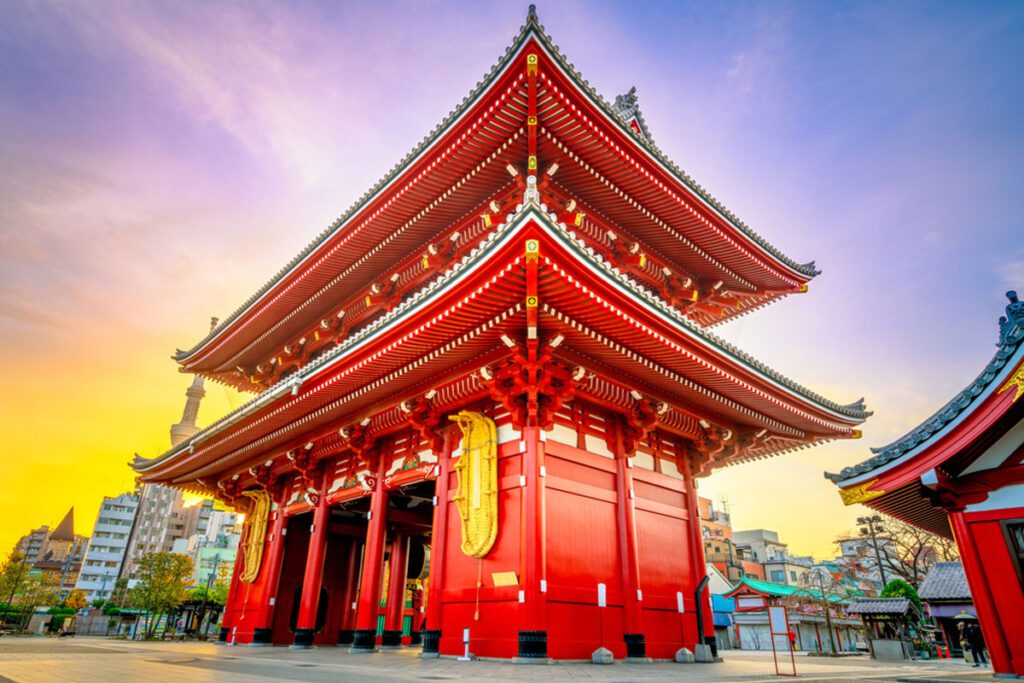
point(11, 576)
point(36, 590)
point(898, 588)
point(162, 586)
point(75, 599)
point(908, 552)
point(119, 595)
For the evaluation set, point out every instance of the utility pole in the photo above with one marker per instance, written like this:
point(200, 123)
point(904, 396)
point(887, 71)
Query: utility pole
point(873, 531)
point(828, 610)
point(64, 577)
point(206, 596)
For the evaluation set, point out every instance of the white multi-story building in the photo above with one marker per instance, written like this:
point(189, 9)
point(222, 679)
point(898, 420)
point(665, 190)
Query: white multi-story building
point(110, 534)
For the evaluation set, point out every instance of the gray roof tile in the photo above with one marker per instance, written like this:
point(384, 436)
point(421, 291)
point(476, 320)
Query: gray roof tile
point(945, 581)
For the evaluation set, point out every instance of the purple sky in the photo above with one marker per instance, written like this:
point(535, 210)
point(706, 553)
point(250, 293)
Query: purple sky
point(160, 161)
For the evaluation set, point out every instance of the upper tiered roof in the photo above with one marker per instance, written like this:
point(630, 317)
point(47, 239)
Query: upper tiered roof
point(632, 204)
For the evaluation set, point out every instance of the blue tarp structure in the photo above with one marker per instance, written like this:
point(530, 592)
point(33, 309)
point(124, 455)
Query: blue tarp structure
point(722, 609)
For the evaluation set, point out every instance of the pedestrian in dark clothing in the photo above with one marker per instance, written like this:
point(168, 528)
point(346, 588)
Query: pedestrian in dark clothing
point(976, 642)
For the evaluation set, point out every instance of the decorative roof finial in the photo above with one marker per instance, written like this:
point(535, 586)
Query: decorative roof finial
point(213, 323)
point(1011, 325)
point(531, 14)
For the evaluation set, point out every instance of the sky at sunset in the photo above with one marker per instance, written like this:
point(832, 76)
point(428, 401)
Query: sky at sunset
point(159, 161)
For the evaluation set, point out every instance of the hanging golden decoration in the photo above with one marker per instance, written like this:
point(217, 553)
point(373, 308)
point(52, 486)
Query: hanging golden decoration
point(255, 533)
point(476, 472)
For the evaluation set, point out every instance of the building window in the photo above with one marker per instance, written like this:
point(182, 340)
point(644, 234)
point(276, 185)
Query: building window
point(778, 575)
point(792, 576)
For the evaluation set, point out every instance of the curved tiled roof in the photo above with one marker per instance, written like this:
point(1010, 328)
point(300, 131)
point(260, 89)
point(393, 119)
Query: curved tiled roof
point(532, 27)
point(1011, 334)
point(854, 411)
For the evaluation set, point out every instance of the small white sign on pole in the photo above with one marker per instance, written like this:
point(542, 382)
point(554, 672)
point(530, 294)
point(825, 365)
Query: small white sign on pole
point(679, 603)
point(465, 641)
point(602, 595)
point(777, 619)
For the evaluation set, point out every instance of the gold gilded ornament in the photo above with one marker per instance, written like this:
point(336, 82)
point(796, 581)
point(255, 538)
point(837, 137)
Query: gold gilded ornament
point(860, 493)
point(255, 532)
point(1016, 381)
point(476, 471)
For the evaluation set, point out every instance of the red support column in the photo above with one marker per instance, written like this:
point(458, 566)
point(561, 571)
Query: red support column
point(396, 591)
point(305, 627)
point(348, 617)
point(438, 546)
point(365, 636)
point(633, 622)
point(270, 575)
point(984, 602)
point(533, 637)
point(700, 571)
point(231, 605)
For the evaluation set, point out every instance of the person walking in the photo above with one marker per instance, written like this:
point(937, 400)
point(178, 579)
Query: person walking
point(976, 641)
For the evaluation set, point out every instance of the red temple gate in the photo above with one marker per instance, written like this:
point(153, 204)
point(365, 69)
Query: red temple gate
point(538, 262)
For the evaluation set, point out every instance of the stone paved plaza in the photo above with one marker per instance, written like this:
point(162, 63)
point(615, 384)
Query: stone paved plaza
point(113, 661)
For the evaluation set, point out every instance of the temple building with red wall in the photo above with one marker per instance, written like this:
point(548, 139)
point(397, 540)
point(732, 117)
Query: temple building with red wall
point(485, 394)
point(960, 474)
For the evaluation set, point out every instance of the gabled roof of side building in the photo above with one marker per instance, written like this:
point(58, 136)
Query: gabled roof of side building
point(945, 581)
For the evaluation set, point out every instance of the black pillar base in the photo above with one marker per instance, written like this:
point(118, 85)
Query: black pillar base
point(262, 636)
point(391, 639)
point(533, 644)
point(364, 639)
point(345, 636)
point(636, 646)
point(415, 638)
point(713, 642)
point(223, 637)
point(431, 641)
point(304, 637)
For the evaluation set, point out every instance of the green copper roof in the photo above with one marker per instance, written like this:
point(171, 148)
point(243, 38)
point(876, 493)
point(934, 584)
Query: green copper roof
point(780, 590)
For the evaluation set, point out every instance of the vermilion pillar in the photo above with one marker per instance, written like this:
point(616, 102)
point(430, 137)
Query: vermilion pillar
point(699, 563)
point(364, 638)
point(227, 624)
point(432, 634)
point(305, 626)
point(633, 621)
point(981, 594)
point(348, 615)
point(270, 575)
point(396, 590)
point(533, 637)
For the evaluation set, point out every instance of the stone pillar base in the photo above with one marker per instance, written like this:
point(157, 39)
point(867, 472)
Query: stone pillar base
point(364, 640)
point(391, 640)
point(636, 645)
point(303, 639)
point(533, 645)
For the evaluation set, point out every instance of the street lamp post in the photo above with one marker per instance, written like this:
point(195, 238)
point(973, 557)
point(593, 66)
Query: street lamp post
point(873, 531)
